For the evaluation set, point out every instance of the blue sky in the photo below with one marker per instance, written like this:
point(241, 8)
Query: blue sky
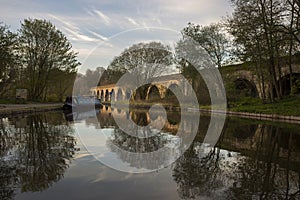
point(101, 29)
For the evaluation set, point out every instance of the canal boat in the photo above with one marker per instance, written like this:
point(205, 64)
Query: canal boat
point(81, 102)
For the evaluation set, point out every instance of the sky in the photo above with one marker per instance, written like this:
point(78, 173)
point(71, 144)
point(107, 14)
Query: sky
point(99, 30)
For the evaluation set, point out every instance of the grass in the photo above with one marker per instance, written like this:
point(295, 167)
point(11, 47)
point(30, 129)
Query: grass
point(286, 106)
point(7, 101)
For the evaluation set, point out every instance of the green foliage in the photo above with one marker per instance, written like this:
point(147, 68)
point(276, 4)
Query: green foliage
point(211, 38)
point(6, 101)
point(38, 58)
point(8, 60)
point(60, 85)
point(266, 33)
point(285, 106)
point(144, 61)
point(142, 54)
point(43, 49)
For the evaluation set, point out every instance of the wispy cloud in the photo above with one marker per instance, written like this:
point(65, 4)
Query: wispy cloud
point(79, 36)
point(104, 17)
point(89, 23)
point(73, 30)
point(132, 21)
point(64, 21)
point(99, 36)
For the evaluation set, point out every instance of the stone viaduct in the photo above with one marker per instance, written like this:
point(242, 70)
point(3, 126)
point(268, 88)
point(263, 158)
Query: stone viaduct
point(158, 89)
point(237, 74)
point(249, 78)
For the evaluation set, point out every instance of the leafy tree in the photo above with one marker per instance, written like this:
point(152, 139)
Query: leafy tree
point(93, 77)
point(8, 59)
point(196, 65)
point(60, 85)
point(265, 31)
point(292, 30)
point(144, 61)
point(43, 48)
point(211, 38)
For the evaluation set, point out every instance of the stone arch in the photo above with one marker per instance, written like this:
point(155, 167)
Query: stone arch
point(172, 87)
point(153, 93)
point(246, 79)
point(102, 95)
point(286, 84)
point(285, 71)
point(120, 96)
point(112, 95)
point(98, 95)
point(141, 92)
point(244, 87)
point(106, 95)
point(127, 94)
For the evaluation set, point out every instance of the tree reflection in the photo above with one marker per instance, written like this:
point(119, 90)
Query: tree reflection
point(271, 172)
point(198, 175)
point(138, 145)
point(34, 153)
point(142, 139)
point(266, 167)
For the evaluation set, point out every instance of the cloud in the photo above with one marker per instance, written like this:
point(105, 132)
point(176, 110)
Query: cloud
point(73, 30)
point(99, 36)
point(90, 23)
point(132, 21)
point(104, 17)
point(78, 36)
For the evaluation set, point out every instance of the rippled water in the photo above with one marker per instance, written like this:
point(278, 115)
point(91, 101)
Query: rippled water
point(42, 156)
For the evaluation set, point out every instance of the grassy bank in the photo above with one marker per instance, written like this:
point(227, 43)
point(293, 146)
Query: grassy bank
point(286, 106)
point(12, 109)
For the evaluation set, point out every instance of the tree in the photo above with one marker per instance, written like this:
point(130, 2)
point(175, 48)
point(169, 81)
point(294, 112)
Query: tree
point(292, 29)
point(60, 85)
point(211, 38)
point(8, 59)
point(43, 48)
point(267, 31)
point(197, 66)
point(245, 26)
point(144, 61)
point(93, 77)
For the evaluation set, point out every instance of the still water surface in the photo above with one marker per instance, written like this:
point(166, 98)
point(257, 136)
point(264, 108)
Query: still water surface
point(42, 157)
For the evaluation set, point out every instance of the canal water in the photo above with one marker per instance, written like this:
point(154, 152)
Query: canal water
point(50, 156)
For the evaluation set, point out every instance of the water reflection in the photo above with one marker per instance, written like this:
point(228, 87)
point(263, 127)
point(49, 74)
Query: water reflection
point(252, 159)
point(35, 152)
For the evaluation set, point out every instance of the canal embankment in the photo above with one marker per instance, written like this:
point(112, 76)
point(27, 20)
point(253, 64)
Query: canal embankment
point(258, 116)
point(13, 109)
point(284, 117)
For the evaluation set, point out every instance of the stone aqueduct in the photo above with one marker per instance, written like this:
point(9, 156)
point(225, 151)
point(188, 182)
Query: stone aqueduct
point(159, 88)
point(252, 79)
